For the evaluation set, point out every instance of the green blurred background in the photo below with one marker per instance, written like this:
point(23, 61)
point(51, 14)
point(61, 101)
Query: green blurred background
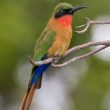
point(21, 22)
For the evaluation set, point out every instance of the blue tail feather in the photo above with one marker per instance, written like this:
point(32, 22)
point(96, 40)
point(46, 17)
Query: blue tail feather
point(38, 71)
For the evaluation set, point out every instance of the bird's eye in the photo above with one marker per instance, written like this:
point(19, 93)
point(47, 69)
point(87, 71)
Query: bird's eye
point(61, 11)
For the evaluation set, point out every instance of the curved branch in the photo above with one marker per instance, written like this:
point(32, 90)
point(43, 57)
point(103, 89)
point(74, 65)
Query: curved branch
point(79, 57)
point(76, 48)
point(38, 63)
point(86, 45)
point(88, 24)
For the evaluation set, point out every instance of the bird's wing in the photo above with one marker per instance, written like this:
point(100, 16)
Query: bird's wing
point(43, 43)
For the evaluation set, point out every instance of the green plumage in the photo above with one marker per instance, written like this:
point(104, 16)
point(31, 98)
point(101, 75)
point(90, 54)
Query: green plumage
point(43, 43)
point(61, 6)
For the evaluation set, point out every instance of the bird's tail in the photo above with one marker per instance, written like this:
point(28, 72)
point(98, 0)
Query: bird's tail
point(35, 82)
point(28, 98)
point(29, 95)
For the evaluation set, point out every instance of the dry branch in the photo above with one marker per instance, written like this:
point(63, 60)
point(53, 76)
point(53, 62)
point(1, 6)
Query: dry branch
point(79, 57)
point(89, 23)
point(104, 44)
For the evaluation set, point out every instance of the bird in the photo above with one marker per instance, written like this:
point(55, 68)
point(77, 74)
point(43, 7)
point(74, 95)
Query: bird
point(53, 41)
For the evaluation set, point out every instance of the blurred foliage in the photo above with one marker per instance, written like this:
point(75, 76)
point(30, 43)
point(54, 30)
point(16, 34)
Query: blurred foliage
point(22, 21)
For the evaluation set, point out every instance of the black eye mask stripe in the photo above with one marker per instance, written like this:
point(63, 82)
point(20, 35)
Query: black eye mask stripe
point(63, 12)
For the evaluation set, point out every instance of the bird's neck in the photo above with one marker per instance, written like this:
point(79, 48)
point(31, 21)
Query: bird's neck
point(65, 20)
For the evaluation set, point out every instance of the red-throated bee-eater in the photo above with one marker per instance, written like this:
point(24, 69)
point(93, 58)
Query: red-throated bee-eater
point(53, 41)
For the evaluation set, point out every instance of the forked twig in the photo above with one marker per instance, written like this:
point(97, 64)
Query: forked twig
point(88, 24)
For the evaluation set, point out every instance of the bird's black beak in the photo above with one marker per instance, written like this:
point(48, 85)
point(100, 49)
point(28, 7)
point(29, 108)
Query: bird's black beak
point(76, 8)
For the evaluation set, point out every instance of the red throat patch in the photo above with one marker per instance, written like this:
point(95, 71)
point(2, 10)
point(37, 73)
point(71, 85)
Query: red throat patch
point(65, 20)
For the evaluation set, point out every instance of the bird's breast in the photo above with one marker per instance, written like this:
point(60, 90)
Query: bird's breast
point(61, 42)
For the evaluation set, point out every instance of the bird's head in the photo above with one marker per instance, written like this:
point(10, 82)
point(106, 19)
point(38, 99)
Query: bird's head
point(64, 12)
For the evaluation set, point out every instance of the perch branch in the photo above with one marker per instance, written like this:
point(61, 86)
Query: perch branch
point(88, 23)
point(104, 44)
point(79, 57)
point(49, 60)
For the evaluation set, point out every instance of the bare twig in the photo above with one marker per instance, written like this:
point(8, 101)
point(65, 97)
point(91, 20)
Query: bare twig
point(49, 60)
point(76, 48)
point(86, 45)
point(88, 23)
point(79, 57)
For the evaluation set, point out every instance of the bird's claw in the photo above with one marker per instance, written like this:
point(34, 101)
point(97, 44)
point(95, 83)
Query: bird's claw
point(56, 59)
